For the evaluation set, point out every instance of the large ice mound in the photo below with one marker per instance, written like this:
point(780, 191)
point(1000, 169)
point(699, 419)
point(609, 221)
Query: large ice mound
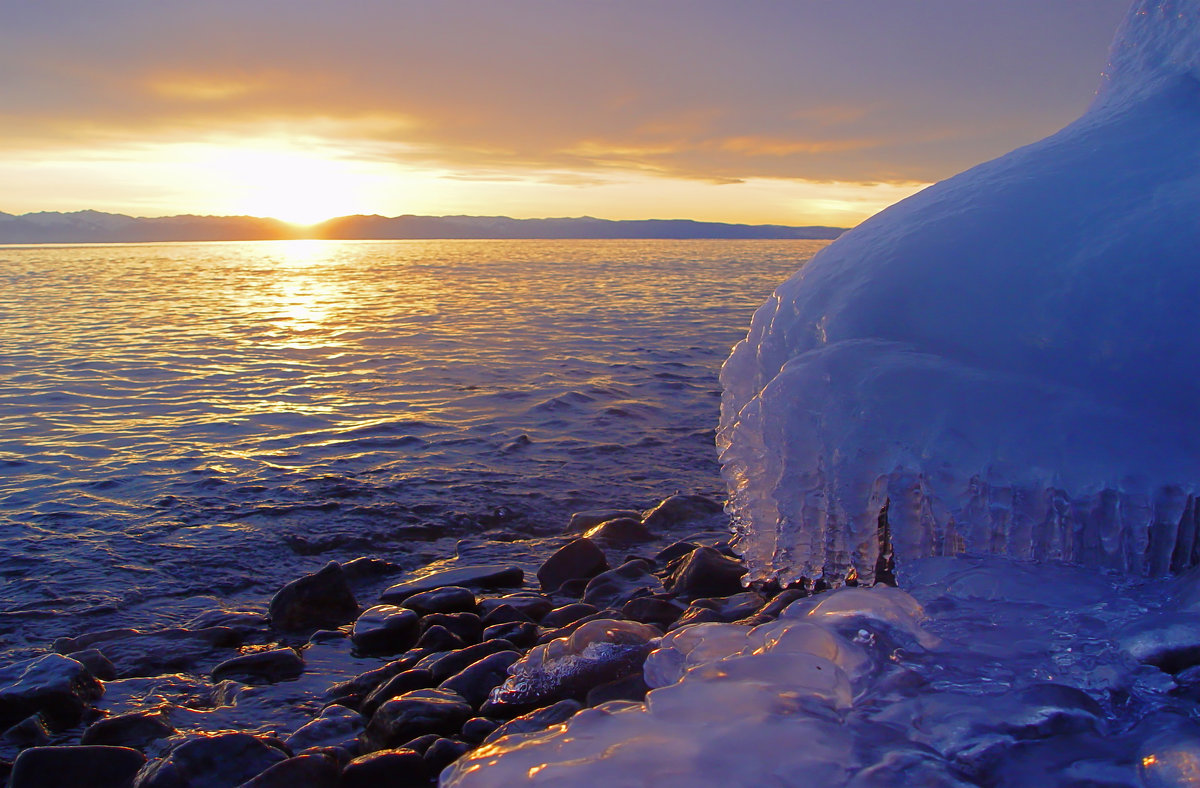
point(1008, 360)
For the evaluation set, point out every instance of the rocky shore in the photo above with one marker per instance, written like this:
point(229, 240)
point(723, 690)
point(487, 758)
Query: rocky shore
point(360, 674)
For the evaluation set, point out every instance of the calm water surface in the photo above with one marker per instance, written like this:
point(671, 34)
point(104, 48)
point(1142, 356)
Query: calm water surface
point(184, 423)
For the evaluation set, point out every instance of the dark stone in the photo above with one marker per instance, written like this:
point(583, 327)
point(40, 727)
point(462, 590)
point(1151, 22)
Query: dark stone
point(320, 600)
point(475, 681)
point(652, 610)
point(421, 743)
point(94, 660)
point(29, 732)
point(136, 729)
point(409, 680)
point(698, 615)
point(438, 638)
point(241, 621)
point(414, 714)
point(581, 521)
point(573, 588)
point(534, 606)
point(521, 635)
point(447, 599)
point(504, 614)
point(469, 576)
point(364, 683)
point(477, 729)
point(771, 610)
point(261, 667)
point(680, 509)
point(445, 666)
point(401, 768)
point(674, 551)
point(577, 559)
point(467, 626)
point(302, 771)
point(537, 720)
point(732, 607)
point(211, 761)
point(57, 687)
point(134, 653)
point(444, 752)
point(621, 531)
point(617, 586)
point(561, 616)
point(1170, 642)
point(336, 726)
point(76, 767)
point(367, 567)
point(554, 634)
point(631, 687)
point(705, 572)
point(385, 629)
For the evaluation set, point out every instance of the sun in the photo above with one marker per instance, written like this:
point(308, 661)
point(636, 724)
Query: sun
point(294, 186)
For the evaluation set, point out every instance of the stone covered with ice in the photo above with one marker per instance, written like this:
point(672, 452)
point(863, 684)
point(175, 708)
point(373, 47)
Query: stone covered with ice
point(1006, 360)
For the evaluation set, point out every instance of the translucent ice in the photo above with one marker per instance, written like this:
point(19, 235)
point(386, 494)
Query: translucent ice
point(1006, 360)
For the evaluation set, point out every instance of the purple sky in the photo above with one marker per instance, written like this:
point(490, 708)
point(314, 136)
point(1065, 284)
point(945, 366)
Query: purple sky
point(706, 109)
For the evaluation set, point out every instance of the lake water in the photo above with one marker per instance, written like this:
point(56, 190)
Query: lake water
point(184, 423)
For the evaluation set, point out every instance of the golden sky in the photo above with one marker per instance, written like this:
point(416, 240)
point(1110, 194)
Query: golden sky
point(789, 112)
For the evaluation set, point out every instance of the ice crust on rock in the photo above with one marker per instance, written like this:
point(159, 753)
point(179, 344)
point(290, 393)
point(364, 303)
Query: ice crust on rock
point(1006, 359)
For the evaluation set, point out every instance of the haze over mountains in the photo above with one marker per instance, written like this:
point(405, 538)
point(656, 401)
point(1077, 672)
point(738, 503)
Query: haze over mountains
point(98, 227)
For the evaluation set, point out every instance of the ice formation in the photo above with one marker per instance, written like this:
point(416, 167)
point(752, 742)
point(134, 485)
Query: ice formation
point(1006, 360)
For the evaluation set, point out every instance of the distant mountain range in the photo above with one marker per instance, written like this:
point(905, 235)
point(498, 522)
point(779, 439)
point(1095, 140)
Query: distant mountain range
point(97, 227)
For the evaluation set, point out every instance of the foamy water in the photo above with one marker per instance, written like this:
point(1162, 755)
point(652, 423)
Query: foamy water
point(187, 422)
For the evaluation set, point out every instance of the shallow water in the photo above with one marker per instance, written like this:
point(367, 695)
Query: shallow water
point(184, 425)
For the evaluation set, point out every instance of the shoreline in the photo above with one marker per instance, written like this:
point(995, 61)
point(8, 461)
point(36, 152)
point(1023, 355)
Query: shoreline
point(327, 645)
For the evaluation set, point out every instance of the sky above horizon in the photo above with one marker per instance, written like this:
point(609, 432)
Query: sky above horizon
point(800, 112)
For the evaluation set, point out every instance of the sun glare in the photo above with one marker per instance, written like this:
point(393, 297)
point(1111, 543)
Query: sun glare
point(289, 185)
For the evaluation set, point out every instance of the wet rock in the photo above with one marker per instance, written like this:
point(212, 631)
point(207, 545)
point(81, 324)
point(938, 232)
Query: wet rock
point(94, 660)
point(467, 576)
point(438, 638)
point(136, 729)
point(302, 771)
point(466, 626)
point(561, 616)
point(520, 634)
point(401, 683)
point(447, 599)
point(531, 605)
point(335, 726)
point(652, 610)
point(597, 653)
point(367, 567)
point(29, 732)
point(674, 551)
point(582, 521)
point(413, 714)
point(385, 629)
point(573, 588)
point(536, 720)
point(76, 767)
point(241, 621)
point(681, 509)
point(320, 600)
point(697, 615)
point(261, 667)
point(579, 559)
point(445, 666)
point(475, 681)
point(621, 531)
point(444, 752)
point(477, 729)
point(771, 610)
point(421, 743)
point(211, 761)
point(399, 768)
point(631, 687)
point(504, 614)
point(705, 572)
point(617, 586)
point(57, 687)
point(134, 653)
point(548, 635)
point(364, 683)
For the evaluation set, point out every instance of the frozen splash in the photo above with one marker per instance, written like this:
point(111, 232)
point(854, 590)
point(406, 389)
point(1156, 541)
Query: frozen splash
point(1006, 360)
